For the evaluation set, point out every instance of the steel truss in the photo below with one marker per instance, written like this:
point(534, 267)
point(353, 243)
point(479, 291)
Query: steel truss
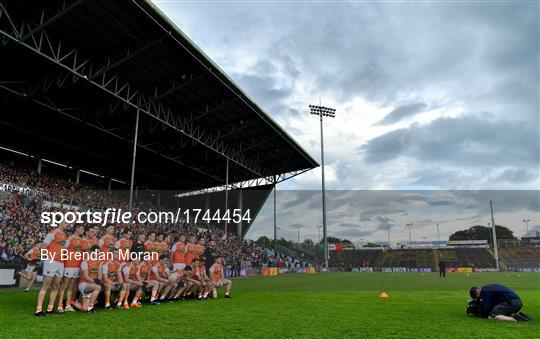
point(126, 136)
point(269, 180)
point(37, 40)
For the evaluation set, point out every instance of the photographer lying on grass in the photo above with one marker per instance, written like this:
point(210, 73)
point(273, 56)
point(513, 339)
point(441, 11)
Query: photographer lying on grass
point(495, 302)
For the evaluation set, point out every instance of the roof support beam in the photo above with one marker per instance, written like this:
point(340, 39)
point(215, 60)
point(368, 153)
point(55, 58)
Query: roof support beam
point(178, 87)
point(214, 109)
point(44, 23)
point(96, 125)
point(129, 54)
point(238, 128)
point(253, 183)
point(259, 142)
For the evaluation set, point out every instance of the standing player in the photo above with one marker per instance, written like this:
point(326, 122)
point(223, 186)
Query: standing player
point(218, 278)
point(72, 266)
point(150, 246)
point(125, 242)
point(89, 280)
point(191, 251)
point(108, 242)
point(53, 267)
point(30, 272)
point(199, 248)
point(178, 254)
point(90, 239)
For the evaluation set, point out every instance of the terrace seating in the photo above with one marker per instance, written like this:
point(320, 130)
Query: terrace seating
point(524, 257)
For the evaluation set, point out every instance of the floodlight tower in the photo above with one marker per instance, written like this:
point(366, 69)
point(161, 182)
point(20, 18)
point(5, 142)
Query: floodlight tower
point(409, 225)
point(527, 225)
point(323, 111)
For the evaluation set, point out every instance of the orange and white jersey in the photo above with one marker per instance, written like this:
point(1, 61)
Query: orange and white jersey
point(178, 251)
point(88, 242)
point(178, 275)
point(130, 270)
point(92, 266)
point(55, 242)
point(107, 244)
point(159, 270)
point(216, 272)
point(201, 272)
point(162, 247)
point(110, 269)
point(144, 270)
point(33, 254)
point(74, 245)
point(123, 244)
point(190, 252)
point(199, 250)
point(151, 247)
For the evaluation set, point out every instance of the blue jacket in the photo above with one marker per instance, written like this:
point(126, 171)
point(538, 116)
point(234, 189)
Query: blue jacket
point(492, 295)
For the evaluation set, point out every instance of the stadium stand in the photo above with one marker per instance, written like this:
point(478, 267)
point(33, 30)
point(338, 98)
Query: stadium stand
point(356, 258)
point(522, 257)
point(408, 258)
point(464, 257)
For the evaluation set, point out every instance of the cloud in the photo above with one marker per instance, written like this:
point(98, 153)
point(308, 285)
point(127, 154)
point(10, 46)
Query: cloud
point(464, 141)
point(402, 112)
point(517, 175)
point(429, 95)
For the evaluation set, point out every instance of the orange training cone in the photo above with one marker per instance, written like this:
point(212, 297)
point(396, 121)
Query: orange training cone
point(383, 296)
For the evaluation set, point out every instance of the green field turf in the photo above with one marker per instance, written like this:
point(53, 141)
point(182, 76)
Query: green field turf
point(327, 305)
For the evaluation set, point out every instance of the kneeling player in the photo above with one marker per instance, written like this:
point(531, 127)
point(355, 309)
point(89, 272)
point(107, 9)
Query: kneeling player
point(89, 282)
point(218, 278)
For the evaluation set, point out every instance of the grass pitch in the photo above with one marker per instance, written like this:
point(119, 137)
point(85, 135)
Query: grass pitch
point(326, 305)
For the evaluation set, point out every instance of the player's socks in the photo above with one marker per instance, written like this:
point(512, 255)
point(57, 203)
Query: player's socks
point(50, 308)
point(121, 297)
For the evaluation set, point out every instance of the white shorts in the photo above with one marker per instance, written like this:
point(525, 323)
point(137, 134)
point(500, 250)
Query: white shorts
point(53, 268)
point(82, 288)
point(222, 283)
point(72, 273)
point(29, 268)
point(177, 266)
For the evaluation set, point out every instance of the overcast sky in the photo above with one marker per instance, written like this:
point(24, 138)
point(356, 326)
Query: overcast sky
point(429, 95)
